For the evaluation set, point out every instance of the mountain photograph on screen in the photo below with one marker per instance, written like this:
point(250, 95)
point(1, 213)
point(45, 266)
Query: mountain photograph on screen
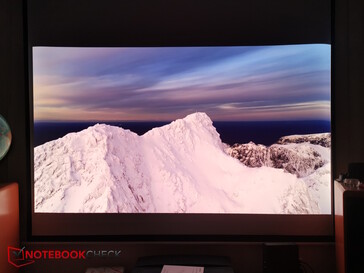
point(227, 129)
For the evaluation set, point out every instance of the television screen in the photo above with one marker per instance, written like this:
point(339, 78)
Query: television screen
point(182, 130)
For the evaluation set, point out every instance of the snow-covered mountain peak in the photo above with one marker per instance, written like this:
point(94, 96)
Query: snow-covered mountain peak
point(106, 129)
point(179, 167)
point(194, 121)
point(188, 131)
point(198, 117)
point(99, 132)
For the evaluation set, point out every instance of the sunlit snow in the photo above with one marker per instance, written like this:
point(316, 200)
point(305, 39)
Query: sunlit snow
point(182, 167)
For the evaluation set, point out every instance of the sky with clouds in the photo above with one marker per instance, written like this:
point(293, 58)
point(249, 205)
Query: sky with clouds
point(248, 83)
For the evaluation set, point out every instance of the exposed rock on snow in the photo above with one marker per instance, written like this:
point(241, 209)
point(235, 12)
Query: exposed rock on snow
point(299, 155)
point(178, 168)
point(323, 139)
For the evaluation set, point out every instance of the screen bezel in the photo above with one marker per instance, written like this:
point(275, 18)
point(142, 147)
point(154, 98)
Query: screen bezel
point(100, 226)
point(161, 224)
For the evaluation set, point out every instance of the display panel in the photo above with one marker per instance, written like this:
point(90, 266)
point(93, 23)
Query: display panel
point(182, 130)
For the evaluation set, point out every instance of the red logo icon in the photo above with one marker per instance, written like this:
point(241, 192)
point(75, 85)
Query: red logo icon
point(16, 257)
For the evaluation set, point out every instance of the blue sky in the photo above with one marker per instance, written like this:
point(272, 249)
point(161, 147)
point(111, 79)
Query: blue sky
point(289, 82)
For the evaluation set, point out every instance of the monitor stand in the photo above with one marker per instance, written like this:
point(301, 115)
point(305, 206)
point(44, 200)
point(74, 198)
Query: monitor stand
point(211, 264)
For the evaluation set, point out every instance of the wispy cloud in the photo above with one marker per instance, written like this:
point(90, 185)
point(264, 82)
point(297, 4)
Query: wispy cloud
point(230, 83)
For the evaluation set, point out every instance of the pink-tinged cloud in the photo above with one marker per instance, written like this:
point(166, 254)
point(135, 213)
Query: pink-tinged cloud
point(229, 83)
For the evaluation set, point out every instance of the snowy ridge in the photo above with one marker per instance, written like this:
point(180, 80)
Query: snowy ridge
point(181, 167)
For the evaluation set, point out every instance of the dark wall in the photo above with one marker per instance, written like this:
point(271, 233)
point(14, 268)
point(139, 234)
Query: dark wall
point(137, 22)
point(13, 98)
point(348, 58)
point(188, 22)
point(348, 83)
